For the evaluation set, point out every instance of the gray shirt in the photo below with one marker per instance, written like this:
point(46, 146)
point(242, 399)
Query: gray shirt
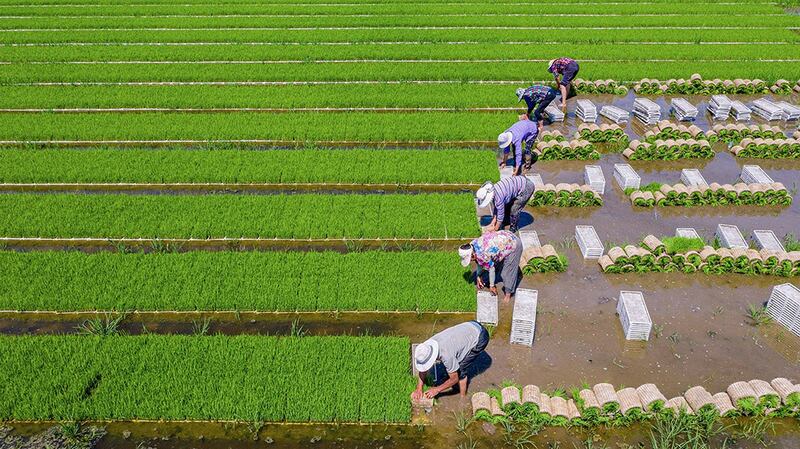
point(455, 343)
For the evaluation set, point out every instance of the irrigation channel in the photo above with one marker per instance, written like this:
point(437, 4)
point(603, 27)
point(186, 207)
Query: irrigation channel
point(702, 334)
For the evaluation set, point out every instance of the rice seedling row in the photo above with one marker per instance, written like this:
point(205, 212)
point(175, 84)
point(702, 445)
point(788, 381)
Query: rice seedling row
point(302, 216)
point(739, 194)
point(565, 195)
point(767, 148)
point(734, 133)
point(669, 150)
point(241, 166)
point(696, 85)
point(233, 281)
point(254, 378)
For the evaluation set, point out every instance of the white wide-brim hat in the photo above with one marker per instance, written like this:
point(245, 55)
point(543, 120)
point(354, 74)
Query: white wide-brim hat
point(485, 195)
point(465, 253)
point(426, 354)
point(504, 139)
point(550, 64)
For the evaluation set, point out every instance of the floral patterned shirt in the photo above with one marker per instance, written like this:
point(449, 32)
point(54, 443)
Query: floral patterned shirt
point(493, 247)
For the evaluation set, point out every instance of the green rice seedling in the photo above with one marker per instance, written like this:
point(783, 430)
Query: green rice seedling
point(756, 430)
point(462, 421)
point(682, 245)
point(758, 315)
point(791, 243)
point(201, 327)
point(103, 327)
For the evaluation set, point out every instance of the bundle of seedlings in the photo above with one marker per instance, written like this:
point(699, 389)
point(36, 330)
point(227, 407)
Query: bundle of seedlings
point(602, 133)
point(548, 135)
point(591, 412)
point(739, 194)
point(565, 195)
point(542, 259)
point(696, 85)
point(668, 130)
point(782, 87)
point(561, 150)
point(744, 398)
point(702, 403)
point(768, 148)
point(512, 402)
point(669, 150)
point(790, 397)
point(631, 408)
point(735, 132)
point(599, 87)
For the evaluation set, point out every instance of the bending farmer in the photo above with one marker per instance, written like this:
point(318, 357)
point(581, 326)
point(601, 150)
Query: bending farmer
point(537, 97)
point(566, 68)
point(508, 197)
point(490, 250)
point(457, 348)
point(522, 132)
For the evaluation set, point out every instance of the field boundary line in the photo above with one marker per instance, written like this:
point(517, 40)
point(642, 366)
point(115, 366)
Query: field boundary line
point(365, 43)
point(243, 16)
point(234, 186)
point(369, 61)
point(225, 312)
point(274, 142)
point(273, 110)
point(222, 421)
point(400, 27)
point(103, 5)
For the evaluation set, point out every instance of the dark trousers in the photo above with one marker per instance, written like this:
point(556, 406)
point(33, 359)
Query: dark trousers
point(515, 206)
point(570, 72)
point(465, 364)
point(540, 107)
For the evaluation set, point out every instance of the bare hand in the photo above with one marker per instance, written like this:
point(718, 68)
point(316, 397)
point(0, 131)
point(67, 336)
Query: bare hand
point(480, 284)
point(523, 117)
point(430, 394)
point(502, 164)
point(493, 291)
point(416, 395)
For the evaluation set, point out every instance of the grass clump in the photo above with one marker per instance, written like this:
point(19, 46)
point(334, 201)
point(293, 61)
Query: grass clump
point(676, 245)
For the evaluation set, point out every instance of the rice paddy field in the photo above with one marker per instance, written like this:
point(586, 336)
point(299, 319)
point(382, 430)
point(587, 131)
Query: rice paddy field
point(223, 224)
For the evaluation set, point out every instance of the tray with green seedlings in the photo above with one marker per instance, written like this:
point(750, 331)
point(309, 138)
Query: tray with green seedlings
point(690, 255)
point(669, 150)
point(544, 259)
point(739, 194)
point(604, 133)
point(602, 404)
point(735, 132)
point(768, 148)
point(668, 130)
point(696, 85)
point(578, 149)
point(565, 195)
point(548, 135)
point(599, 87)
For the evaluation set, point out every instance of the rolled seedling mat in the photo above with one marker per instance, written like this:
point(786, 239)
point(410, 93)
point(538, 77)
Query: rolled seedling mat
point(572, 409)
point(741, 394)
point(545, 406)
point(605, 262)
point(496, 410)
point(481, 401)
point(588, 400)
point(617, 255)
point(698, 398)
point(724, 405)
point(510, 395)
point(629, 400)
point(528, 254)
point(654, 245)
point(678, 404)
point(558, 406)
point(650, 397)
point(789, 393)
point(530, 395)
point(766, 395)
point(606, 396)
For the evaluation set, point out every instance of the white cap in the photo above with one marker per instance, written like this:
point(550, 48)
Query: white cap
point(465, 253)
point(504, 139)
point(425, 355)
point(550, 64)
point(485, 195)
point(520, 93)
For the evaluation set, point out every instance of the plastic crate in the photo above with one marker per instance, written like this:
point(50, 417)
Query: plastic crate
point(589, 242)
point(767, 240)
point(688, 233)
point(784, 306)
point(693, 178)
point(530, 239)
point(755, 174)
point(633, 314)
point(523, 320)
point(626, 176)
point(487, 308)
point(730, 237)
point(594, 178)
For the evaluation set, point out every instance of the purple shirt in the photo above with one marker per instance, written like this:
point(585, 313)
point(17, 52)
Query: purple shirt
point(522, 131)
point(505, 191)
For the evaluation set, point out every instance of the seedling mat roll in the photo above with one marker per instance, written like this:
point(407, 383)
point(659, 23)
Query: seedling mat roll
point(633, 315)
point(487, 308)
point(523, 321)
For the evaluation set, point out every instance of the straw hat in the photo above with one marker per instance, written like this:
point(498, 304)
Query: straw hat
point(426, 354)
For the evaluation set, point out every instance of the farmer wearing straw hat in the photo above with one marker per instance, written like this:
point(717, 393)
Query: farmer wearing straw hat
point(507, 197)
point(566, 68)
point(491, 249)
point(456, 348)
point(537, 97)
point(524, 131)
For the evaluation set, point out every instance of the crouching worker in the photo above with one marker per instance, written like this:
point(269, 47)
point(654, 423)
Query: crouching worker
point(538, 98)
point(524, 132)
point(456, 348)
point(508, 198)
point(495, 248)
point(566, 69)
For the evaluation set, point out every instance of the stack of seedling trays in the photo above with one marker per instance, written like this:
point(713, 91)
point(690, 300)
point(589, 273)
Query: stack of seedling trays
point(741, 113)
point(636, 322)
point(683, 110)
point(766, 239)
point(626, 176)
point(719, 107)
point(487, 308)
point(767, 110)
point(692, 177)
point(586, 111)
point(647, 111)
point(615, 114)
point(730, 237)
point(754, 174)
point(784, 306)
point(554, 113)
point(589, 242)
point(593, 176)
point(688, 233)
point(790, 111)
point(523, 320)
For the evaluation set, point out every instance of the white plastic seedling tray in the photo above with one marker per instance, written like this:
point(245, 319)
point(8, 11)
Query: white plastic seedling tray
point(615, 114)
point(530, 239)
point(730, 237)
point(586, 111)
point(740, 111)
point(589, 242)
point(784, 306)
point(487, 308)
point(633, 314)
point(626, 176)
point(767, 240)
point(593, 176)
point(536, 179)
point(523, 321)
point(755, 174)
point(506, 172)
point(691, 177)
point(688, 233)
point(554, 113)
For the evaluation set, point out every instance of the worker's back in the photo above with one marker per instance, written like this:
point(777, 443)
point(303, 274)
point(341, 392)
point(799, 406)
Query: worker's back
point(456, 342)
